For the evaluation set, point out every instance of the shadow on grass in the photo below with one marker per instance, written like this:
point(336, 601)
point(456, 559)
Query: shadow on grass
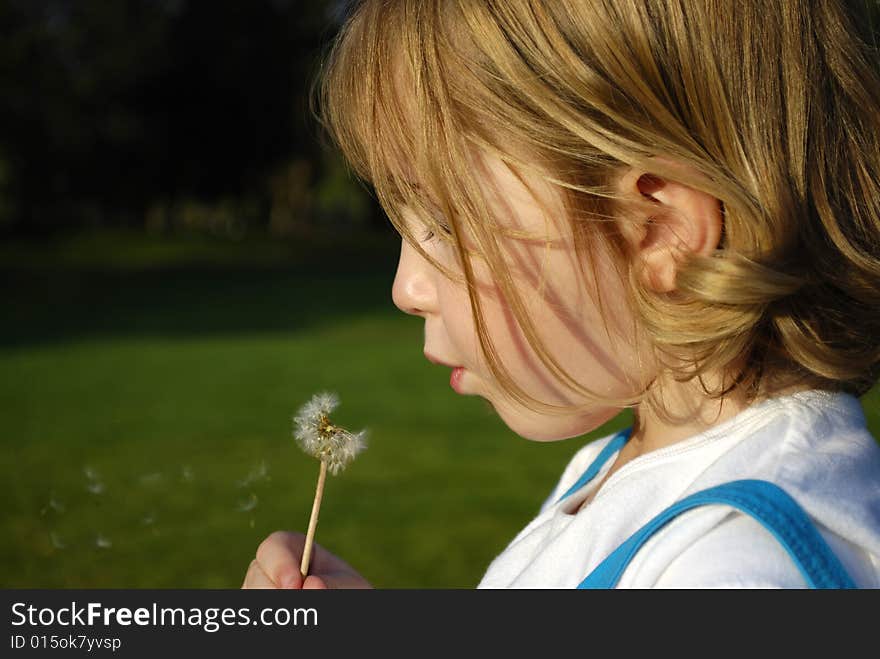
point(48, 302)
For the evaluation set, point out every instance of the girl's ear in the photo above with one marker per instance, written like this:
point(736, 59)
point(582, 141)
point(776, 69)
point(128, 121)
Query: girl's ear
point(676, 222)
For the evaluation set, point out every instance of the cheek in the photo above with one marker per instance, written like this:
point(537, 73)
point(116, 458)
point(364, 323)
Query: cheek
point(455, 309)
point(567, 322)
point(571, 327)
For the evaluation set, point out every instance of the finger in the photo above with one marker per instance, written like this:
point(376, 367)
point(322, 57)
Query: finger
point(279, 557)
point(335, 581)
point(313, 582)
point(256, 578)
point(324, 562)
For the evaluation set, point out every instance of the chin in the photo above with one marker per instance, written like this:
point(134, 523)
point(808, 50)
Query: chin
point(548, 428)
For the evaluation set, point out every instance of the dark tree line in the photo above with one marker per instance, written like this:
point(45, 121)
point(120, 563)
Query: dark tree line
point(118, 111)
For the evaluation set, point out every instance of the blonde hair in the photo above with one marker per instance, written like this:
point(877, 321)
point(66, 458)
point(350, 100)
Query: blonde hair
point(772, 102)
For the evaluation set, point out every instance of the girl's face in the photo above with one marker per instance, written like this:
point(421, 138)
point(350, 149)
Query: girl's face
point(567, 319)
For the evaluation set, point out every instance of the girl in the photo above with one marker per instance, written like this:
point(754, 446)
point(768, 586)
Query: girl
point(672, 206)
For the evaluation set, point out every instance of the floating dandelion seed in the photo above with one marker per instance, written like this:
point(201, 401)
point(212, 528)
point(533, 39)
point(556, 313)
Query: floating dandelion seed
point(256, 475)
point(56, 541)
point(249, 505)
point(102, 543)
point(186, 474)
point(53, 505)
point(95, 487)
point(334, 446)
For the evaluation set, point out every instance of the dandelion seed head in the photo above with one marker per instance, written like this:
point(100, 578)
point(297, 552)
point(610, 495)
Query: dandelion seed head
point(320, 405)
point(319, 437)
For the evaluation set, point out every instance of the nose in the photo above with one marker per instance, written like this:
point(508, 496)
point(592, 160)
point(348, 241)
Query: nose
point(413, 290)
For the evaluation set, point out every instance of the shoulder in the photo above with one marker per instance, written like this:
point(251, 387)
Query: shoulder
point(822, 454)
point(816, 447)
point(718, 547)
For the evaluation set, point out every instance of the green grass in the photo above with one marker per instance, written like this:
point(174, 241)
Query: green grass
point(147, 410)
point(173, 428)
point(146, 424)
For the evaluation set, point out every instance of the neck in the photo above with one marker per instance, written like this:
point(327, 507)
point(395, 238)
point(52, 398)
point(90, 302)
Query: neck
point(687, 411)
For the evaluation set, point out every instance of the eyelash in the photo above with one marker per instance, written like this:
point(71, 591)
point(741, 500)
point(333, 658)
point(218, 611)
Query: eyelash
point(430, 235)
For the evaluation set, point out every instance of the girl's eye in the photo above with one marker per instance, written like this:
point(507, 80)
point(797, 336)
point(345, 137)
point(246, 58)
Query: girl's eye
point(445, 233)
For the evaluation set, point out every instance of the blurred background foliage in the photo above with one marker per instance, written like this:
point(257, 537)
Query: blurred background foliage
point(185, 264)
point(168, 115)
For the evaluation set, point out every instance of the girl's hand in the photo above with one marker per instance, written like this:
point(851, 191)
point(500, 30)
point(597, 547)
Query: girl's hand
point(278, 560)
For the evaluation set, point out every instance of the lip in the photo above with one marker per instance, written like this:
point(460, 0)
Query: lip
point(455, 379)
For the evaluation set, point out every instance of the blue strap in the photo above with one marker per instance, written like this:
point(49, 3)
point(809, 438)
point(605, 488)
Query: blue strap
point(610, 449)
point(766, 502)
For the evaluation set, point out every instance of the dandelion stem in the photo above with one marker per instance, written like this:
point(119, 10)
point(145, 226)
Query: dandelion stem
point(313, 520)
